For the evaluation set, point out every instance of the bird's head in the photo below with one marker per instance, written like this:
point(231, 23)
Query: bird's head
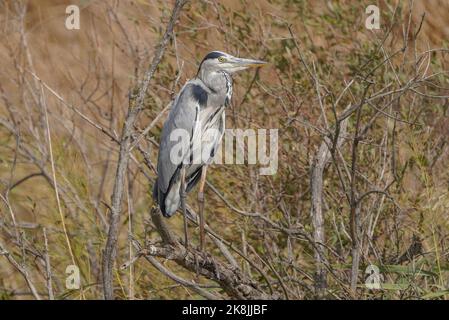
point(220, 61)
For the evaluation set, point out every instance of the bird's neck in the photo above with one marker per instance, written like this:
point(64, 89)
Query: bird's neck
point(215, 81)
point(219, 83)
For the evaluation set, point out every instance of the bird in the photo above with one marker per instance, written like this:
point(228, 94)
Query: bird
point(198, 111)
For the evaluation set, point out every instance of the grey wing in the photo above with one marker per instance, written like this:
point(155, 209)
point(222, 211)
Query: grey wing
point(176, 138)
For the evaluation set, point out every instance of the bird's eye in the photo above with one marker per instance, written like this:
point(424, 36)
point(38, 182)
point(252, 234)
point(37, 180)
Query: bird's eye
point(221, 59)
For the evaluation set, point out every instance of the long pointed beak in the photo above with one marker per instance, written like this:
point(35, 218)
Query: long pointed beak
point(248, 63)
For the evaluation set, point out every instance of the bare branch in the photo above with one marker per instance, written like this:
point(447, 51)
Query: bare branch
point(110, 250)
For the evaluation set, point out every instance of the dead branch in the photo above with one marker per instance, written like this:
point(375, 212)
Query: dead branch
point(22, 270)
point(236, 284)
point(110, 250)
point(320, 161)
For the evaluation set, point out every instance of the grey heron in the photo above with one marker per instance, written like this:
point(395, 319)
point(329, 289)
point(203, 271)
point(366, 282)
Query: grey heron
point(199, 112)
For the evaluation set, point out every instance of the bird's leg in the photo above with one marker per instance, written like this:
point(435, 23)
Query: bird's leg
point(182, 193)
point(201, 205)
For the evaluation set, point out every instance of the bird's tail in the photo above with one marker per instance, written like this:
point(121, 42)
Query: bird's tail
point(170, 201)
point(171, 198)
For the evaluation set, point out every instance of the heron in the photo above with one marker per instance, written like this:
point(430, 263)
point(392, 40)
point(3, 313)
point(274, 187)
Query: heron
point(198, 111)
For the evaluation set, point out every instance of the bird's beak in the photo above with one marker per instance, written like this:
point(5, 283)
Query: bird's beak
point(248, 63)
